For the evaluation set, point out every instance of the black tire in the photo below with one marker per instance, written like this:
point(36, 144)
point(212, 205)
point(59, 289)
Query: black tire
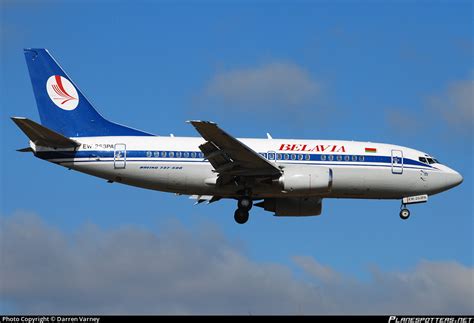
point(245, 203)
point(241, 216)
point(404, 214)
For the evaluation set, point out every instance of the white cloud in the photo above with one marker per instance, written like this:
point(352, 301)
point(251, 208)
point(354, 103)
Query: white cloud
point(455, 104)
point(431, 287)
point(452, 110)
point(271, 85)
point(323, 273)
point(130, 270)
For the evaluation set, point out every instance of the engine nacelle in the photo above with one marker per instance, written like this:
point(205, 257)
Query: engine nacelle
point(306, 179)
point(295, 206)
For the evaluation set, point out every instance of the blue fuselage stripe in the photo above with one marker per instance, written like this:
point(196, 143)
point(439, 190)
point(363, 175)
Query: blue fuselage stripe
point(190, 156)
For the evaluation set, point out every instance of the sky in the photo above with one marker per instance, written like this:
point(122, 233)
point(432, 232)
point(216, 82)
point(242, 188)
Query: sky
point(394, 72)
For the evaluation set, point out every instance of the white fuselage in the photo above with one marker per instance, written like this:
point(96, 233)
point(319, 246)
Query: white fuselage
point(175, 164)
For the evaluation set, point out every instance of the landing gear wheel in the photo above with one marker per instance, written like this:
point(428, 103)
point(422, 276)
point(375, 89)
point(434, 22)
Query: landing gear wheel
point(245, 203)
point(404, 214)
point(241, 216)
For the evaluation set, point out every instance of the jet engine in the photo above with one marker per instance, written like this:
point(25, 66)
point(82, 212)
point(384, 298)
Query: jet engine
point(305, 179)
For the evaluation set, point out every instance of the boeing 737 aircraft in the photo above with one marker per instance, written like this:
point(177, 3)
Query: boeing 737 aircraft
point(289, 177)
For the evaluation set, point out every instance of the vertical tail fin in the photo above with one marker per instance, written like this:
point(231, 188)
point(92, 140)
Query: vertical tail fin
point(62, 106)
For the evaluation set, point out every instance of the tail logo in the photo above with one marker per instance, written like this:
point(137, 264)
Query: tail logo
point(62, 92)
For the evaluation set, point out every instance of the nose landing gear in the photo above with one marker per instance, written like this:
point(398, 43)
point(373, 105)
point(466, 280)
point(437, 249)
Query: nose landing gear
point(244, 205)
point(404, 212)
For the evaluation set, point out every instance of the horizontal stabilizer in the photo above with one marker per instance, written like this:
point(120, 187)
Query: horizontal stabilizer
point(25, 150)
point(42, 136)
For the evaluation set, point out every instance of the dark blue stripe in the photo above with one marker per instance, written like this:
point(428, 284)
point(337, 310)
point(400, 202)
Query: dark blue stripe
point(163, 155)
point(196, 161)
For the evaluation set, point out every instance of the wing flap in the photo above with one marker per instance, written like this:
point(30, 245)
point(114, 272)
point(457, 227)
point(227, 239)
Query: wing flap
point(216, 156)
point(204, 198)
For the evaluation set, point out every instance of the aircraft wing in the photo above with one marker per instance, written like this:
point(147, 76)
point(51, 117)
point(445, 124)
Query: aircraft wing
point(230, 156)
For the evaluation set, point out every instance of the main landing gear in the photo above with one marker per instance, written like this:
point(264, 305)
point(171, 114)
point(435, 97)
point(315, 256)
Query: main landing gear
point(244, 205)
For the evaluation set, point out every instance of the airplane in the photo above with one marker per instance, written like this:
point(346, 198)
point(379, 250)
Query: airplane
point(289, 177)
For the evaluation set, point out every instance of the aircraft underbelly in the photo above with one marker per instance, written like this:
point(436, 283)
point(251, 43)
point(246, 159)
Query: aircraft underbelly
point(183, 178)
point(376, 182)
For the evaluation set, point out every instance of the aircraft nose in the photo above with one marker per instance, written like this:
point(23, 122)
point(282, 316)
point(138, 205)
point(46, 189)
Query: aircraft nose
point(454, 179)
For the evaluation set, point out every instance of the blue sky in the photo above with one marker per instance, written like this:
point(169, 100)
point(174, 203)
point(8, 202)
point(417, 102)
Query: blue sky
point(400, 73)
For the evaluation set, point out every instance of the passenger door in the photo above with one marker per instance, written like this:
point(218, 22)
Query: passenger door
point(397, 161)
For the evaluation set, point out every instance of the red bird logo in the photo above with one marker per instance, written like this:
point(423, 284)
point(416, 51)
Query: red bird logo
point(61, 91)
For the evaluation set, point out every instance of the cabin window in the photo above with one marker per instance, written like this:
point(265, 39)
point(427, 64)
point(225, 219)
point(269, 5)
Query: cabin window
point(323, 157)
point(308, 157)
point(271, 156)
point(163, 154)
point(193, 154)
point(286, 156)
point(347, 158)
point(185, 154)
point(279, 156)
point(354, 158)
point(156, 153)
point(178, 154)
point(148, 154)
point(300, 157)
point(293, 157)
point(361, 158)
point(171, 154)
point(330, 157)
point(339, 157)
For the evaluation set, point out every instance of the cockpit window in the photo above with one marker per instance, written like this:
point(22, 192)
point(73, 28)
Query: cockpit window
point(428, 160)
